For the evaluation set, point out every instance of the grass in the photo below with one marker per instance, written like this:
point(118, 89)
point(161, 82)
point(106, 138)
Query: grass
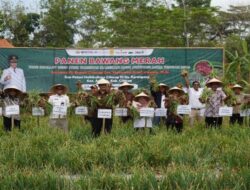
point(45, 158)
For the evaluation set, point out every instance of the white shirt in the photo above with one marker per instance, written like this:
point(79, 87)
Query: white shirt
point(17, 78)
point(162, 101)
point(194, 98)
point(56, 100)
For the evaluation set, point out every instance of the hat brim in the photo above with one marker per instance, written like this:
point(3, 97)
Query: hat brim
point(53, 88)
point(177, 90)
point(19, 92)
point(103, 84)
point(138, 97)
point(215, 82)
point(165, 86)
point(129, 86)
point(238, 87)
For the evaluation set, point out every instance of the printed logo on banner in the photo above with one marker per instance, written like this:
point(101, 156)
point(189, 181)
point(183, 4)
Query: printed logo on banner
point(226, 111)
point(110, 52)
point(121, 112)
point(104, 113)
point(160, 112)
point(147, 112)
point(81, 110)
point(183, 109)
point(12, 110)
point(59, 110)
point(37, 111)
point(245, 113)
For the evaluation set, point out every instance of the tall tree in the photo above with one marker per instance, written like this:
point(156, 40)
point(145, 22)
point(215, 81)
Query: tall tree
point(143, 23)
point(194, 3)
point(236, 21)
point(58, 23)
point(1, 24)
point(18, 26)
point(90, 29)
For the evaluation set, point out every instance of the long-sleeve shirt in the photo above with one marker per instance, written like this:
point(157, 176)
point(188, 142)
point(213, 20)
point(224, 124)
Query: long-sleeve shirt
point(158, 97)
point(56, 100)
point(17, 78)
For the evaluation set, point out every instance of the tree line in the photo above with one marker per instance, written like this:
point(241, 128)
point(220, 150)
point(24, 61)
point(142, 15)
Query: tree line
point(130, 23)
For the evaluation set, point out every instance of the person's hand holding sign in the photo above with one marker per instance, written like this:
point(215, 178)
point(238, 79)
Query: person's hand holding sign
point(8, 77)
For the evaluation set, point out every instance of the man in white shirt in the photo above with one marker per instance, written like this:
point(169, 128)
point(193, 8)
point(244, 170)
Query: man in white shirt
point(59, 100)
point(194, 94)
point(13, 76)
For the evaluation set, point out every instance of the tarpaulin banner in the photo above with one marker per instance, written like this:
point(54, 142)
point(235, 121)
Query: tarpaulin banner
point(44, 67)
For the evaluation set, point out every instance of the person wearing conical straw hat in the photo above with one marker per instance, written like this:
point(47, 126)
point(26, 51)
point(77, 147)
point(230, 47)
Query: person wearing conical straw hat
point(239, 99)
point(59, 101)
point(213, 103)
point(125, 88)
point(104, 98)
point(194, 94)
point(174, 120)
point(11, 97)
point(159, 93)
point(143, 100)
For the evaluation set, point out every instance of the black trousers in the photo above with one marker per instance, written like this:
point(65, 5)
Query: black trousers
point(7, 123)
point(126, 119)
point(213, 121)
point(97, 126)
point(236, 118)
point(173, 123)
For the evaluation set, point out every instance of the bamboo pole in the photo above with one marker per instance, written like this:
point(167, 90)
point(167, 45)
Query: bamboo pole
point(12, 122)
point(103, 125)
point(38, 121)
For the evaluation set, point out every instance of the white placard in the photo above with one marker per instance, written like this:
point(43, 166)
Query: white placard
point(104, 113)
point(226, 111)
point(59, 110)
point(147, 112)
point(245, 113)
point(12, 110)
point(81, 110)
point(160, 112)
point(121, 112)
point(37, 111)
point(1, 111)
point(183, 109)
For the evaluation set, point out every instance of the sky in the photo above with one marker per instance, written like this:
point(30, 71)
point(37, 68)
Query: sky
point(33, 5)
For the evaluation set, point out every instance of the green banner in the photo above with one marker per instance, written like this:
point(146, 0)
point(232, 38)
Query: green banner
point(44, 67)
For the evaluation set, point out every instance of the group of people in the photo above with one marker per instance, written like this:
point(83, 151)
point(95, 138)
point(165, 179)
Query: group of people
point(204, 102)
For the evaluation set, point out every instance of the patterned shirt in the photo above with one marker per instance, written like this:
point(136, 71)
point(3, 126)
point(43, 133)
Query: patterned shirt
point(214, 103)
